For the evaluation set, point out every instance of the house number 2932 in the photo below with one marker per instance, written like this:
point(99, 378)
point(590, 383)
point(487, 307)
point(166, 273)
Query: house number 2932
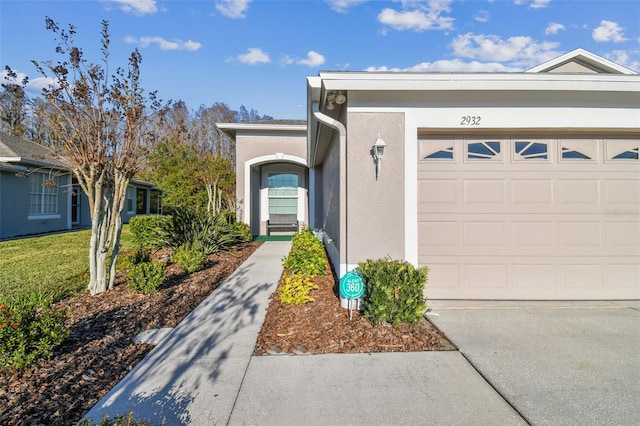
point(470, 120)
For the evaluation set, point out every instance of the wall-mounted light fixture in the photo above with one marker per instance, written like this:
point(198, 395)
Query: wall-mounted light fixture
point(378, 149)
point(335, 98)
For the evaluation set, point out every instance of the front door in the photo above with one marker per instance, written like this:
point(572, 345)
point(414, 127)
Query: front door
point(75, 206)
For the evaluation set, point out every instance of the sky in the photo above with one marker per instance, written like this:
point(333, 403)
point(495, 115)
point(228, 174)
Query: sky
point(258, 53)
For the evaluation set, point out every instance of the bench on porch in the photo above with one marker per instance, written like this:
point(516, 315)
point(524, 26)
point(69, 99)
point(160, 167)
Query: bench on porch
point(282, 222)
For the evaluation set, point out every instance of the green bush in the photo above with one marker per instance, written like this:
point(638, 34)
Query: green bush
point(394, 291)
point(29, 329)
point(307, 254)
point(243, 231)
point(295, 289)
point(205, 232)
point(146, 277)
point(129, 260)
point(188, 258)
point(148, 231)
point(128, 420)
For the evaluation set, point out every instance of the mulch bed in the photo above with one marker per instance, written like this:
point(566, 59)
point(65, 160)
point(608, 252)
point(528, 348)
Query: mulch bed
point(323, 326)
point(100, 350)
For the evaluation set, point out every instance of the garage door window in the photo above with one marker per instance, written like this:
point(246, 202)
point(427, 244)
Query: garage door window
point(632, 154)
point(578, 149)
point(437, 149)
point(622, 149)
point(489, 150)
point(443, 154)
point(526, 150)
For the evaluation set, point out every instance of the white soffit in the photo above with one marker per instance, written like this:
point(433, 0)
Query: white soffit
point(232, 128)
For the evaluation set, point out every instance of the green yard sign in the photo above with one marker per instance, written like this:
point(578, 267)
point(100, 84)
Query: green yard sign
point(352, 285)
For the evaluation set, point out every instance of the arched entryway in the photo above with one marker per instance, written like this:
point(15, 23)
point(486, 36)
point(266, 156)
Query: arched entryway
point(277, 185)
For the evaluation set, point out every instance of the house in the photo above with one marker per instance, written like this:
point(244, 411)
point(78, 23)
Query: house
point(507, 186)
point(272, 176)
point(38, 193)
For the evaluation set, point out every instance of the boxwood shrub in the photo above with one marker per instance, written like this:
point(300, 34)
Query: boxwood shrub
point(146, 277)
point(190, 259)
point(394, 291)
point(148, 231)
point(307, 254)
point(30, 329)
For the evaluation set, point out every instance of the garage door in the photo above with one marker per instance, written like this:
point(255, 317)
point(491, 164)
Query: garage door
point(530, 218)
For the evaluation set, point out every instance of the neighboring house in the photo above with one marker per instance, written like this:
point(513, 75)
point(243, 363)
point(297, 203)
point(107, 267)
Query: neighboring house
point(38, 194)
point(508, 186)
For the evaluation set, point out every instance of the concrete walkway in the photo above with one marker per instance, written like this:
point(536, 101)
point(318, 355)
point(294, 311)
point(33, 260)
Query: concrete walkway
point(573, 363)
point(203, 373)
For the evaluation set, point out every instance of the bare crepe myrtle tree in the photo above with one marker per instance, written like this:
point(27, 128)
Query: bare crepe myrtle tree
point(98, 123)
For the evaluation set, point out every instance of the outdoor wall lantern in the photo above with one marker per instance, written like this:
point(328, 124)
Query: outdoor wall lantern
point(378, 150)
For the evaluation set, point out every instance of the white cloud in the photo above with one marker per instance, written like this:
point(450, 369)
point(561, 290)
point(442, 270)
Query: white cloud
point(314, 59)
point(34, 85)
point(622, 57)
point(254, 56)
point(455, 65)
point(553, 28)
point(137, 7)
point(164, 44)
point(482, 16)
point(418, 16)
point(539, 4)
point(535, 4)
point(234, 9)
point(287, 60)
point(519, 51)
point(343, 6)
point(608, 31)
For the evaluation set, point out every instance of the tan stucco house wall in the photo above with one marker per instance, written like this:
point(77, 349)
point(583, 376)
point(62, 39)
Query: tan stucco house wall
point(507, 186)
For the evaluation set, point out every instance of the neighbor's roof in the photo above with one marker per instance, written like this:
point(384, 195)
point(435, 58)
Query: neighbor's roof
point(14, 149)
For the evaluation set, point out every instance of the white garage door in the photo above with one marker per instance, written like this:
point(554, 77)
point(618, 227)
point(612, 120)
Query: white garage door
point(530, 218)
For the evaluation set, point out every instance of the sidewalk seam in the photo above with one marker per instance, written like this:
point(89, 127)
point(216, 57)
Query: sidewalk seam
point(486, 379)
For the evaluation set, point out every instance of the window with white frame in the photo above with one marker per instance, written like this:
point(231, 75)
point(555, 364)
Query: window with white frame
point(130, 206)
point(283, 193)
point(43, 194)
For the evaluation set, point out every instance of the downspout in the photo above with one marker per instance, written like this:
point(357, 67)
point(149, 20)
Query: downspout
point(342, 131)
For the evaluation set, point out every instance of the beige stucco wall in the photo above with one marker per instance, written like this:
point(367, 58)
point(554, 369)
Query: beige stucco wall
point(328, 198)
point(573, 67)
point(375, 209)
point(250, 147)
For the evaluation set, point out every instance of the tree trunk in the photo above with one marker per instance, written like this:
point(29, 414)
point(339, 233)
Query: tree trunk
point(209, 198)
point(121, 183)
point(106, 205)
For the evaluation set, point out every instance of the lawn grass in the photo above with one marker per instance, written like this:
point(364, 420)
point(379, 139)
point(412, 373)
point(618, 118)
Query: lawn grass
point(56, 264)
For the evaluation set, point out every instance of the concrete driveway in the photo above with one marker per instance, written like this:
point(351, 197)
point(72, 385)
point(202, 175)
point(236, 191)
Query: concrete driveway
point(559, 363)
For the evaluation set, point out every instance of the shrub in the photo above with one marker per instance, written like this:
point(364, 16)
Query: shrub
point(394, 291)
point(30, 329)
point(148, 231)
point(243, 231)
point(295, 289)
point(204, 231)
point(188, 258)
point(128, 420)
point(129, 260)
point(146, 277)
point(307, 254)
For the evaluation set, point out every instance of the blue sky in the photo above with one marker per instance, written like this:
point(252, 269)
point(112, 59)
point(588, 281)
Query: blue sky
point(257, 53)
